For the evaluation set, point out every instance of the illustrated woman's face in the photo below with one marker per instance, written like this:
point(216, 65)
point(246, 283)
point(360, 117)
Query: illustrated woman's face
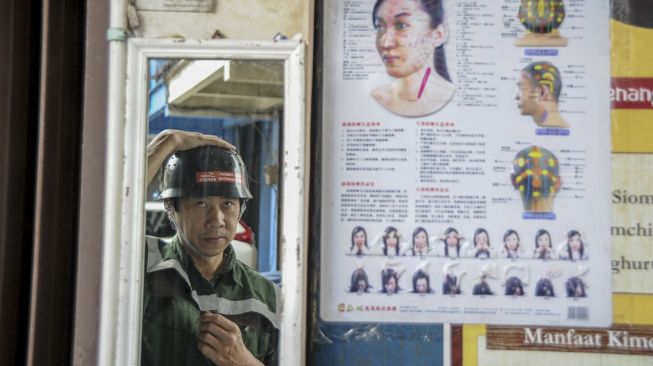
point(421, 285)
point(543, 241)
point(404, 38)
point(420, 241)
point(482, 241)
point(392, 240)
point(574, 243)
point(512, 243)
point(452, 239)
point(359, 239)
point(391, 286)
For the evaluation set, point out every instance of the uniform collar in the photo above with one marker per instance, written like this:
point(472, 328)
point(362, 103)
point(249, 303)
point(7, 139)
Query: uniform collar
point(228, 264)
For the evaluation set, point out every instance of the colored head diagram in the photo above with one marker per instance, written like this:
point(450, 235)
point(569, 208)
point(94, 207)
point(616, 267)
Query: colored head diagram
point(541, 18)
point(538, 92)
point(547, 76)
point(536, 176)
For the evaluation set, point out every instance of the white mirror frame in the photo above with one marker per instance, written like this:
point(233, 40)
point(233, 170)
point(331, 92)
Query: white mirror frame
point(123, 239)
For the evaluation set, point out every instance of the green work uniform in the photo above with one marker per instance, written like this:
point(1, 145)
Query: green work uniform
point(175, 293)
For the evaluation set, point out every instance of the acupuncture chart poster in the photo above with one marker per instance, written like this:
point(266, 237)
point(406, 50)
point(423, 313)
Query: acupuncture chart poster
point(466, 162)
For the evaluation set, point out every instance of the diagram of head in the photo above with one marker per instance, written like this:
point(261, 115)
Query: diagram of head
point(541, 16)
point(538, 92)
point(536, 176)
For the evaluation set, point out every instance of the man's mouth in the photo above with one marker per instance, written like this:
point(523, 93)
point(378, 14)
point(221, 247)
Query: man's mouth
point(213, 238)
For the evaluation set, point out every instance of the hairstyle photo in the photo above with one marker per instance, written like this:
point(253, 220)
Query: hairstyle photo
point(514, 286)
point(387, 275)
point(417, 231)
point(359, 250)
point(389, 232)
point(420, 288)
point(359, 281)
point(451, 230)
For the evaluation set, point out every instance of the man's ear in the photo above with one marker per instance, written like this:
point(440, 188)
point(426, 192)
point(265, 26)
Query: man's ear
point(545, 94)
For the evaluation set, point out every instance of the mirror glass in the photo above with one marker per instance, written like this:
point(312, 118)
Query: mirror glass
point(242, 102)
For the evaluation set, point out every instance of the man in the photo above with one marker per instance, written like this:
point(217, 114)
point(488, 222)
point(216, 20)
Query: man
point(538, 90)
point(201, 305)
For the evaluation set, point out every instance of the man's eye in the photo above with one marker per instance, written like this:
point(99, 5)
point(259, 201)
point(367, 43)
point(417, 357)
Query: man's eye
point(228, 204)
point(201, 203)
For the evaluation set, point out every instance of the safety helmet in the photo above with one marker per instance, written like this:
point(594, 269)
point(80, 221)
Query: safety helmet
point(205, 171)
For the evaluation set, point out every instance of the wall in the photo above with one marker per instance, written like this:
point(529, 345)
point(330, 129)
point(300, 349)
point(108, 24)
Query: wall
point(236, 19)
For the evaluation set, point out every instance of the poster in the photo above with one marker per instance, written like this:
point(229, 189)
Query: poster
point(609, 346)
point(457, 141)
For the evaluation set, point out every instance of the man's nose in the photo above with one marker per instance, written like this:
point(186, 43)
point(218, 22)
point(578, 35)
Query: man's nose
point(215, 217)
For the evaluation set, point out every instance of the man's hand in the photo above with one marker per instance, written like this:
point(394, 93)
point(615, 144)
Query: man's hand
point(221, 341)
point(169, 141)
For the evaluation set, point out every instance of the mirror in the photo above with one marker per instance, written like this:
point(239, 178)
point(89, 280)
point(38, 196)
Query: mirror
point(251, 95)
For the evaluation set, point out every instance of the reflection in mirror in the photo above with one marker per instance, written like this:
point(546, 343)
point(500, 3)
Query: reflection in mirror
point(241, 102)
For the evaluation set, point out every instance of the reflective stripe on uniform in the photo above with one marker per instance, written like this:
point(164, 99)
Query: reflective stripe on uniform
point(237, 307)
point(210, 302)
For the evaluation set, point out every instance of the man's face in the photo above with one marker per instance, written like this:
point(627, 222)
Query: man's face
point(209, 223)
point(527, 95)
